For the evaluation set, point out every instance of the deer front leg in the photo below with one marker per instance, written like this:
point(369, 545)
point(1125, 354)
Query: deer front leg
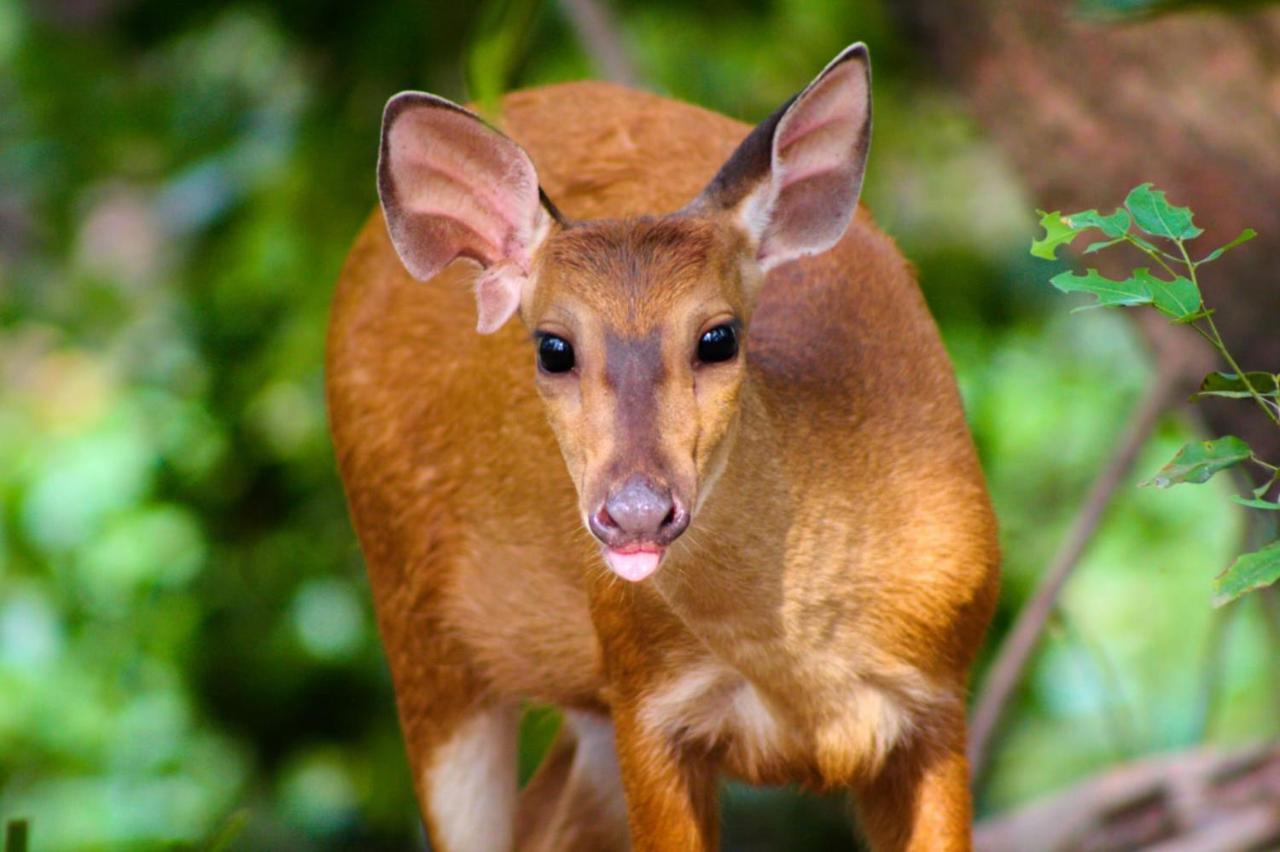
point(460, 739)
point(920, 800)
point(671, 795)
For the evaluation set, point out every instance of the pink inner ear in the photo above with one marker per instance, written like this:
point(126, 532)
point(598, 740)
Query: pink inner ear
point(452, 187)
point(819, 151)
point(498, 292)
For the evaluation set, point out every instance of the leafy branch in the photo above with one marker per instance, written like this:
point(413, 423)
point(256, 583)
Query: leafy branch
point(1161, 231)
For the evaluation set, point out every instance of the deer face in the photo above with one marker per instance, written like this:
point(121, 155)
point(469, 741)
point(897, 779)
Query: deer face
point(639, 325)
point(639, 328)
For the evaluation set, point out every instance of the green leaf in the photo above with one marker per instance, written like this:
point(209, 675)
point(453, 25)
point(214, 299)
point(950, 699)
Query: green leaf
point(1179, 298)
point(1251, 571)
point(1154, 214)
point(1115, 225)
point(1256, 503)
point(1233, 386)
point(1245, 235)
point(1092, 247)
point(1198, 461)
point(1056, 232)
point(1110, 293)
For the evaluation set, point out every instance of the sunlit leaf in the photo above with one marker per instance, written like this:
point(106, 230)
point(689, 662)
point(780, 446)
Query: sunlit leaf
point(1198, 461)
point(1179, 298)
point(1114, 225)
point(1233, 386)
point(1245, 235)
point(1110, 293)
point(1154, 214)
point(1251, 571)
point(1057, 232)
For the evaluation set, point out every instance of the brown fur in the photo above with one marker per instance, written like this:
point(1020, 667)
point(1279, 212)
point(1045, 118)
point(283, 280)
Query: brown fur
point(823, 608)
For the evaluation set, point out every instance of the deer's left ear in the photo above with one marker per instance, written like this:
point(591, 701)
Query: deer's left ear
point(793, 183)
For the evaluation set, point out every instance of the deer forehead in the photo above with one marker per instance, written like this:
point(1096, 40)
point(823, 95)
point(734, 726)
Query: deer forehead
point(637, 275)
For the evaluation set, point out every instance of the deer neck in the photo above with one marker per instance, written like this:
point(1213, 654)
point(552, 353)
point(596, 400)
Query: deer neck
point(730, 564)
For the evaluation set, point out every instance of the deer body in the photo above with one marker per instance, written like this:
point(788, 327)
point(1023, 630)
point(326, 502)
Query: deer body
point(814, 624)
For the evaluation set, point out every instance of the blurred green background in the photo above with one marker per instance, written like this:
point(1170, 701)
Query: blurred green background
point(185, 627)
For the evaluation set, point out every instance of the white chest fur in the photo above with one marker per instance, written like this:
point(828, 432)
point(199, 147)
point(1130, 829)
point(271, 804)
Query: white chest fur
point(834, 731)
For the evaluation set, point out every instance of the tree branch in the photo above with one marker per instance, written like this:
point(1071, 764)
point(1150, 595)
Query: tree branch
point(1205, 798)
point(1006, 672)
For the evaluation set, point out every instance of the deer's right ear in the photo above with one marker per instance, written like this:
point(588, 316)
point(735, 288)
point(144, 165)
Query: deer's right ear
point(451, 186)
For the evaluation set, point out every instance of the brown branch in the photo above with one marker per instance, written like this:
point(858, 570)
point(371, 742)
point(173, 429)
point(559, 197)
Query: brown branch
point(1201, 799)
point(1006, 672)
point(600, 37)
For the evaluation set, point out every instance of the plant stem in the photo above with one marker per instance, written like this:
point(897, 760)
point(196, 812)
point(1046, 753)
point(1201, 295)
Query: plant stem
point(1155, 255)
point(1216, 340)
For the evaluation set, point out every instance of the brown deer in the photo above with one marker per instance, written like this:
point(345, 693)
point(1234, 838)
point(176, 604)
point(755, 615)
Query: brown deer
point(713, 494)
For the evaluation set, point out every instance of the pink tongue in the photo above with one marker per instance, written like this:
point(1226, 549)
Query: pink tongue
point(632, 566)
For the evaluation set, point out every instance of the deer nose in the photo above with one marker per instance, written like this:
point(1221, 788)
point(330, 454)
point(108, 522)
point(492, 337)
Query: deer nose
point(640, 512)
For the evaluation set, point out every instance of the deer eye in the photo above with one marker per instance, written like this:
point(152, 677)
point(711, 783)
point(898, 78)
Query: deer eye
point(717, 344)
point(555, 354)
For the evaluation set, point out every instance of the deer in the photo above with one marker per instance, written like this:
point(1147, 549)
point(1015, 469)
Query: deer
point(679, 452)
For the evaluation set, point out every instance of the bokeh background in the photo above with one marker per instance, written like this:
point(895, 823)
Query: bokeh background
point(186, 641)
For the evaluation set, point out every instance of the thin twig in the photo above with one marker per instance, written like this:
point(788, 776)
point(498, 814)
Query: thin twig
point(1015, 652)
point(601, 38)
point(1221, 346)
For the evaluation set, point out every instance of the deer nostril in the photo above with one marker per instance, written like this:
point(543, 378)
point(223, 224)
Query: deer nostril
point(640, 507)
point(674, 525)
point(604, 519)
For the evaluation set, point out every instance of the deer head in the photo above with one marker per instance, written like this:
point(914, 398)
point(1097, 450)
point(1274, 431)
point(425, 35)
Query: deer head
point(641, 325)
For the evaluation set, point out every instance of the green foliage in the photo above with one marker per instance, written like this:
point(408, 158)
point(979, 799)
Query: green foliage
point(1198, 461)
point(1235, 387)
point(1153, 213)
point(1256, 502)
point(1179, 298)
point(1244, 237)
point(1057, 232)
point(1110, 293)
point(1250, 572)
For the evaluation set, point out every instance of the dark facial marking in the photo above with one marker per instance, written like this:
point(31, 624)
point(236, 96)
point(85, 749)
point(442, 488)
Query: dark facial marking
point(634, 369)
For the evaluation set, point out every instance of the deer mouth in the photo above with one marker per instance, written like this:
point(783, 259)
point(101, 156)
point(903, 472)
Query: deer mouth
point(634, 562)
